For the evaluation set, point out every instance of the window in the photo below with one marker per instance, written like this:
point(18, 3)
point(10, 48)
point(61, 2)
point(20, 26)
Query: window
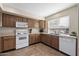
point(58, 24)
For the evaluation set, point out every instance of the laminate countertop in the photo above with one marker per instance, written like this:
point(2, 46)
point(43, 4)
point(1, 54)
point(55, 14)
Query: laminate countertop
point(60, 35)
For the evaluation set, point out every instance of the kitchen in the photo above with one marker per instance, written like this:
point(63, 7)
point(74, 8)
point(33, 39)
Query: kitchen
point(58, 31)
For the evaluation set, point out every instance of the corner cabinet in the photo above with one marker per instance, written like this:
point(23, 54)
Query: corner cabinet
point(50, 40)
point(34, 38)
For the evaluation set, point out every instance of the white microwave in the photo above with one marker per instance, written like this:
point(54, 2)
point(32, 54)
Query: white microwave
point(21, 24)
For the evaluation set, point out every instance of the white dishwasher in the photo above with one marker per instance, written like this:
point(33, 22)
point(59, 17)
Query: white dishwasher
point(67, 45)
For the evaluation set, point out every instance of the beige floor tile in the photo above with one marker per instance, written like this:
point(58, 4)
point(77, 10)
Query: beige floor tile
point(34, 50)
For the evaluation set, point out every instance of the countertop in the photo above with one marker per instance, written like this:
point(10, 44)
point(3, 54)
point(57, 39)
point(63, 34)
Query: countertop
point(6, 35)
point(61, 35)
point(65, 36)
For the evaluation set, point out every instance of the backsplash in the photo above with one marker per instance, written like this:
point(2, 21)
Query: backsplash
point(34, 30)
point(58, 31)
point(7, 31)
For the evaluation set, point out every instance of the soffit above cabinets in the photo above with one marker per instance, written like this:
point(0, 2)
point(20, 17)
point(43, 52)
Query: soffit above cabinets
point(36, 10)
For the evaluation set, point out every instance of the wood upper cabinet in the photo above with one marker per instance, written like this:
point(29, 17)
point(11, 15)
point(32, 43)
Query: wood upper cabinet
point(25, 20)
point(30, 23)
point(21, 19)
point(8, 20)
point(34, 38)
point(33, 23)
point(42, 24)
point(9, 42)
point(36, 24)
point(0, 19)
point(46, 24)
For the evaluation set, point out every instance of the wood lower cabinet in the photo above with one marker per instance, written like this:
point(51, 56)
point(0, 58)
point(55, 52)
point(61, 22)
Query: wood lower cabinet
point(0, 44)
point(9, 42)
point(37, 38)
point(54, 41)
point(50, 40)
point(44, 38)
point(31, 39)
point(34, 38)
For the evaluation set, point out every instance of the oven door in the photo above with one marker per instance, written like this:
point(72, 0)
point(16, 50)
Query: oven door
point(20, 40)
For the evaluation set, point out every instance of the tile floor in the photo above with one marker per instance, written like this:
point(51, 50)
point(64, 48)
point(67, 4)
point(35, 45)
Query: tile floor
point(34, 50)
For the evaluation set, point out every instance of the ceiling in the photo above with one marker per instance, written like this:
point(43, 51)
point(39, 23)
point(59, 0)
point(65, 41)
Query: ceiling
point(40, 9)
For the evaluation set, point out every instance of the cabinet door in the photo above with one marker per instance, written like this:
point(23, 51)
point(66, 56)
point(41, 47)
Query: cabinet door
point(42, 38)
point(19, 19)
point(45, 39)
point(37, 38)
point(48, 40)
point(30, 23)
point(31, 39)
point(36, 24)
point(46, 24)
point(25, 20)
point(8, 20)
point(0, 44)
point(0, 19)
point(41, 24)
point(9, 43)
point(55, 42)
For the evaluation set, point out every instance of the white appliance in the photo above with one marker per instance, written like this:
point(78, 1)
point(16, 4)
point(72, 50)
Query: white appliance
point(21, 38)
point(67, 45)
point(21, 24)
